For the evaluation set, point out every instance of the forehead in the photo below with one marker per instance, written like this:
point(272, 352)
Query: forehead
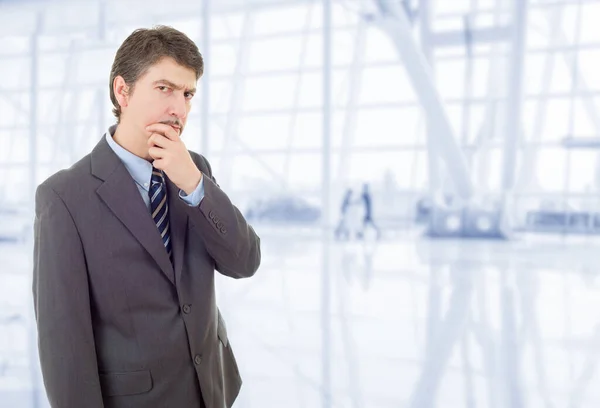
point(168, 69)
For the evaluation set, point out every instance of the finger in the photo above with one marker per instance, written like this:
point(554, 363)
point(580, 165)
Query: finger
point(158, 164)
point(156, 152)
point(166, 130)
point(156, 139)
point(158, 128)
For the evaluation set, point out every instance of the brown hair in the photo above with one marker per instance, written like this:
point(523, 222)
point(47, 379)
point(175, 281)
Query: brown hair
point(144, 48)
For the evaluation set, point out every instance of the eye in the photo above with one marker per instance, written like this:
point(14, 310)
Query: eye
point(163, 88)
point(188, 95)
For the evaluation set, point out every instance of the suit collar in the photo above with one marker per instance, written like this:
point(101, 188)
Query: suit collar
point(104, 160)
point(139, 168)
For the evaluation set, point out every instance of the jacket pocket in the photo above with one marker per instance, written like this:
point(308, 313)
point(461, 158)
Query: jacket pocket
point(125, 383)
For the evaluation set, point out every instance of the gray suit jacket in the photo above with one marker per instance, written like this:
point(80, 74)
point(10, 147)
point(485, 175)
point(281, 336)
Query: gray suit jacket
point(118, 325)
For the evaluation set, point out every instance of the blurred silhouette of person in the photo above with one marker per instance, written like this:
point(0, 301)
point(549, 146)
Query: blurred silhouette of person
point(368, 214)
point(342, 228)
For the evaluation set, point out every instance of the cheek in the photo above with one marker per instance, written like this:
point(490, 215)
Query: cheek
point(140, 105)
point(155, 110)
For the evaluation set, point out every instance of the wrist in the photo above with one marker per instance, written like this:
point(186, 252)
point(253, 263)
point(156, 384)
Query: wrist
point(195, 181)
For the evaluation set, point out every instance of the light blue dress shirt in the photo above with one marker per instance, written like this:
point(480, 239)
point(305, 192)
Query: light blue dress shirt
point(141, 172)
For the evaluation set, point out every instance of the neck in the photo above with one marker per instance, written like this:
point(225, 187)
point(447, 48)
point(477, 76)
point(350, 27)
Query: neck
point(132, 140)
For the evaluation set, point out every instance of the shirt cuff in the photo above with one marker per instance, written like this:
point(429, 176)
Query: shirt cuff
point(194, 199)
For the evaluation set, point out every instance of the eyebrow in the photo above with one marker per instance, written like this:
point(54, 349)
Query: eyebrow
point(173, 85)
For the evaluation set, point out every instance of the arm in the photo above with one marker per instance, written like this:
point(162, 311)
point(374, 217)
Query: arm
point(62, 307)
point(196, 196)
point(228, 238)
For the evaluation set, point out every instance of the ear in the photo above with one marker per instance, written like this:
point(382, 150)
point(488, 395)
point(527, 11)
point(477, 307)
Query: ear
point(121, 90)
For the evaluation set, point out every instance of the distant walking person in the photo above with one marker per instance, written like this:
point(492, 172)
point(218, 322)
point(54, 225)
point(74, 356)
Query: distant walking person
point(342, 228)
point(368, 215)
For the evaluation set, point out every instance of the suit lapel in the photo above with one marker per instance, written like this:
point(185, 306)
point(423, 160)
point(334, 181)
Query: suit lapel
point(122, 197)
point(178, 226)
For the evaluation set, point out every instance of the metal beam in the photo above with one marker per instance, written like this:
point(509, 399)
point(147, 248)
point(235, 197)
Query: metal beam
point(433, 158)
point(355, 80)
point(19, 19)
point(527, 173)
point(514, 104)
point(394, 22)
point(255, 154)
point(206, 77)
point(326, 208)
point(300, 73)
point(34, 366)
point(480, 36)
point(236, 100)
point(33, 114)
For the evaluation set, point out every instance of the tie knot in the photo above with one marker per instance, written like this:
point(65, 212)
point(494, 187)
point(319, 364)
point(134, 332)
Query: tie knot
point(157, 176)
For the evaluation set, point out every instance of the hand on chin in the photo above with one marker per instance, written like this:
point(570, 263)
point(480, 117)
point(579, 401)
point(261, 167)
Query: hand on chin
point(168, 153)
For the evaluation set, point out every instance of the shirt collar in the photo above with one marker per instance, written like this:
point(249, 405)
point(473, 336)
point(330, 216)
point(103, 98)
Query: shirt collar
point(139, 168)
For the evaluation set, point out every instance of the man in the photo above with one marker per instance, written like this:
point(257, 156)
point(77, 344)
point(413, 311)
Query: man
point(365, 197)
point(342, 229)
point(127, 242)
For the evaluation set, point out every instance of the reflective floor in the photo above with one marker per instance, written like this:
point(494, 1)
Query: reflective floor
point(404, 322)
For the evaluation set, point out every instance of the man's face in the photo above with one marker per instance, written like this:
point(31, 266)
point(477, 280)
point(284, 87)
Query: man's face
point(162, 95)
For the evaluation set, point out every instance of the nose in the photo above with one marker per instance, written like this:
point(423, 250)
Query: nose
point(178, 107)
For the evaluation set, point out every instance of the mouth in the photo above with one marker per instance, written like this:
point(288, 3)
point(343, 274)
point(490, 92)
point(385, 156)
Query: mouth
point(173, 124)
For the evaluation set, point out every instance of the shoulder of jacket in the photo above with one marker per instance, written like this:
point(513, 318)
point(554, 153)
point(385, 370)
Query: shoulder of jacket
point(201, 162)
point(69, 178)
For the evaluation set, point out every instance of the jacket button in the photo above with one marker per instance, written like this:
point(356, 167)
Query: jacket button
point(187, 309)
point(198, 359)
point(211, 214)
point(219, 225)
point(223, 230)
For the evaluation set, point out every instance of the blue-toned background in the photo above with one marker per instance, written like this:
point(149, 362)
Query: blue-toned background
point(473, 124)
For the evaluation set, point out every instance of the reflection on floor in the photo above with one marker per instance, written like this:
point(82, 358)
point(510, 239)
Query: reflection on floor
point(408, 322)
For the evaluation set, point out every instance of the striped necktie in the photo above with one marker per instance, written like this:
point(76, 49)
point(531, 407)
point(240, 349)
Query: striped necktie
point(159, 208)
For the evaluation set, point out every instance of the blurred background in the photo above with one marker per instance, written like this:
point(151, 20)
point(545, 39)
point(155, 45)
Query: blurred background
point(424, 175)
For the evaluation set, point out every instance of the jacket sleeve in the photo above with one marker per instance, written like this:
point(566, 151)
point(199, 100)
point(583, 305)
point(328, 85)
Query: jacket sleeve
point(228, 237)
point(62, 307)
